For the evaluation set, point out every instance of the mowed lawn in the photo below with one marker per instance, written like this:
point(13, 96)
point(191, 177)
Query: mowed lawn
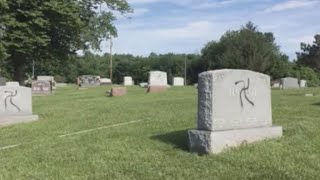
point(153, 145)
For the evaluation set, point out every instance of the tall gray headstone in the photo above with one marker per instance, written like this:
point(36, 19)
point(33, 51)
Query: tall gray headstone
point(234, 106)
point(289, 83)
point(15, 105)
point(12, 84)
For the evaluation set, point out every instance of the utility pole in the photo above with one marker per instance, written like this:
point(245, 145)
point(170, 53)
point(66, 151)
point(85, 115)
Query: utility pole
point(185, 70)
point(33, 68)
point(111, 44)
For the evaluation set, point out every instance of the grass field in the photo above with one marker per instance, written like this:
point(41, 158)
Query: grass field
point(153, 145)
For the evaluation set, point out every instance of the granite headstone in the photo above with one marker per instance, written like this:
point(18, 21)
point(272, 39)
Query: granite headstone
point(234, 106)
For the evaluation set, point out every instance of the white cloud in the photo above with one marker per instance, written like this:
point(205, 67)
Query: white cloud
point(139, 12)
point(291, 4)
point(193, 4)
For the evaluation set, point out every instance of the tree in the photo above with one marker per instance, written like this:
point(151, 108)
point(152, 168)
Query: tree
point(53, 30)
point(310, 55)
point(246, 48)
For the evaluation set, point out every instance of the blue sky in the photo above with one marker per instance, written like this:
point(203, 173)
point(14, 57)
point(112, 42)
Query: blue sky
point(185, 26)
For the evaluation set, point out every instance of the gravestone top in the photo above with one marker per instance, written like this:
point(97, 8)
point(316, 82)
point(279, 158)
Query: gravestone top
point(12, 84)
point(45, 78)
point(158, 78)
point(233, 99)
point(41, 87)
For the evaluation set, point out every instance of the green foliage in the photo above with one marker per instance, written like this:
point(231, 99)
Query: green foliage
point(51, 31)
point(310, 55)
point(246, 48)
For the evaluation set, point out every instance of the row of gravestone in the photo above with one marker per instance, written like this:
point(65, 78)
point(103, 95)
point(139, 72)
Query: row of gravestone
point(155, 77)
point(289, 83)
point(234, 106)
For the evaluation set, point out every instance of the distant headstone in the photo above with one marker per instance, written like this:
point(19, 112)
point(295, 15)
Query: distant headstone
point(88, 81)
point(275, 84)
point(118, 91)
point(47, 78)
point(158, 78)
point(15, 105)
point(144, 85)
point(156, 89)
point(3, 81)
point(234, 106)
point(41, 87)
point(289, 83)
point(105, 81)
point(309, 95)
point(158, 81)
point(12, 84)
point(178, 81)
point(127, 81)
point(303, 83)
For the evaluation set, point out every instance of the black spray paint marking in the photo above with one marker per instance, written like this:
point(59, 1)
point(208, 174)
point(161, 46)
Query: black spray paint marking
point(10, 96)
point(244, 91)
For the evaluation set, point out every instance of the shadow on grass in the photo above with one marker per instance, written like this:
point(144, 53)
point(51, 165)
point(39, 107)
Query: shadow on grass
point(179, 139)
point(316, 104)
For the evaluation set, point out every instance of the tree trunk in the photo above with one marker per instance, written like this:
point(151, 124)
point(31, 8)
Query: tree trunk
point(19, 73)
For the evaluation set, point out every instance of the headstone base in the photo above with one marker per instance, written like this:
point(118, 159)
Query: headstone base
point(157, 89)
point(214, 142)
point(6, 120)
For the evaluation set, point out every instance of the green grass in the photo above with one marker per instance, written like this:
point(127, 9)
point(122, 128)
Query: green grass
point(156, 146)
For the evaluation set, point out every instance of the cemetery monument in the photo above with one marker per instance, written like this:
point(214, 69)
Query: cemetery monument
point(234, 106)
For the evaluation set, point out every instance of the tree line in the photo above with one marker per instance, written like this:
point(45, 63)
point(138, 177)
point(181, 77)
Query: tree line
point(47, 35)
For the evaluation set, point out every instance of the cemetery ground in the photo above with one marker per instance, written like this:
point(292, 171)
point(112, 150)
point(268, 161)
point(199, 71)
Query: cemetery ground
point(83, 134)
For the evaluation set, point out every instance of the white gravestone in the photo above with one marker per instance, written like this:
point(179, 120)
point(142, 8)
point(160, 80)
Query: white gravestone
point(12, 84)
point(289, 83)
point(234, 106)
point(127, 81)
point(178, 81)
point(158, 78)
point(15, 105)
point(303, 83)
